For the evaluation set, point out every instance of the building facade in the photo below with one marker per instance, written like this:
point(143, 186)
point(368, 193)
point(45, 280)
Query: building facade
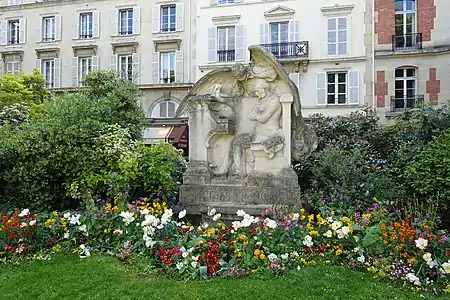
point(148, 42)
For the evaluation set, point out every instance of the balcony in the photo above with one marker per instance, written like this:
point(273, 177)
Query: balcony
point(406, 42)
point(401, 104)
point(226, 55)
point(289, 50)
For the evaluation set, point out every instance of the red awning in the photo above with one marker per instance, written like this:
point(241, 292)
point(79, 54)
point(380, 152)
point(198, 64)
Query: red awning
point(178, 135)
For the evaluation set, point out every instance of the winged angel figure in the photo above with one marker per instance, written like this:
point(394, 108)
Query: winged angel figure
point(223, 91)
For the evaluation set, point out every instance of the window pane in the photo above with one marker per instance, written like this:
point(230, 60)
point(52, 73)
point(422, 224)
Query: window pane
point(332, 37)
point(331, 78)
point(171, 110)
point(399, 5)
point(342, 35)
point(331, 88)
point(332, 24)
point(410, 84)
point(332, 49)
point(163, 110)
point(410, 4)
point(341, 88)
point(330, 99)
point(399, 73)
point(399, 85)
point(342, 23)
point(342, 99)
point(341, 77)
point(342, 48)
point(410, 72)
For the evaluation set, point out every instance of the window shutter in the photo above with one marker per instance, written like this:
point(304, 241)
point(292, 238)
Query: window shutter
point(22, 30)
point(214, 2)
point(114, 22)
point(114, 62)
point(156, 19)
point(58, 31)
point(264, 33)
point(75, 26)
point(38, 65)
point(295, 77)
point(179, 66)
point(136, 20)
point(342, 46)
point(75, 82)
point(294, 31)
point(155, 65)
point(3, 32)
point(39, 30)
point(179, 24)
point(136, 65)
point(95, 63)
point(321, 84)
point(57, 64)
point(95, 24)
point(212, 44)
point(9, 68)
point(240, 43)
point(353, 87)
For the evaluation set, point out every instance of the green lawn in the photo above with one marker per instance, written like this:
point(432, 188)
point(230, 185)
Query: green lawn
point(67, 277)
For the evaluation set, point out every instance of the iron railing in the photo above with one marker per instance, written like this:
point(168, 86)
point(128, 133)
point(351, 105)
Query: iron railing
point(288, 50)
point(411, 41)
point(400, 104)
point(226, 55)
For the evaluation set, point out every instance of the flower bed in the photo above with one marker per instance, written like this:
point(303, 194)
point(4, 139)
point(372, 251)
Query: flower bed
point(406, 251)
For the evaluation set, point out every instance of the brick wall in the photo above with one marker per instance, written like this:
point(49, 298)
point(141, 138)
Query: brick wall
point(426, 14)
point(433, 86)
point(381, 88)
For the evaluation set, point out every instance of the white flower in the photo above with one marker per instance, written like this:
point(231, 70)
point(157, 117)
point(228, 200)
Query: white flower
point(165, 218)
point(413, 278)
point(118, 232)
point(356, 249)
point(67, 215)
point(446, 267)
point(248, 220)
point(294, 254)
point(427, 257)
point(23, 225)
point(285, 256)
point(24, 212)
point(298, 268)
point(212, 212)
point(205, 225)
point(272, 257)
point(330, 219)
point(83, 228)
point(307, 241)
point(361, 259)
point(343, 232)
point(182, 214)
point(75, 219)
point(236, 225)
point(216, 217)
point(160, 226)
point(127, 216)
point(150, 220)
point(195, 258)
point(431, 264)
point(240, 213)
point(336, 225)
point(84, 252)
point(185, 254)
point(66, 235)
point(145, 211)
point(271, 223)
point(180, 265)
point(149, 243)
point(296, 216)
point(32, 222)
point(421, 243)
point(194, 264)
point(329, 233)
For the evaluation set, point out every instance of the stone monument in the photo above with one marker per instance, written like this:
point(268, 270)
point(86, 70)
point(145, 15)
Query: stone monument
point(245, 128)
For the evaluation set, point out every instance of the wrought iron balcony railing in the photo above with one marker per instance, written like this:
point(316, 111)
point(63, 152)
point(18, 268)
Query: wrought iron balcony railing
point(288, 50)
point(411, 41)
point(400, 104)
point(226, 55)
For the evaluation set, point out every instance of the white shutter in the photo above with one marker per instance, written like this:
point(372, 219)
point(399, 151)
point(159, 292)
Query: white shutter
point(321, 84)
point(3, 33)
point(214, 2)
point(264, 33)
point(353, 87)
point(179, 66)
point(240, 43)
point(38, 65)
point(294, 31)
point(156, 19)
point(22, 30)
point(114, 22)
point(212, 44)
point(179, 10)
point(95, 63)
point(95, 24)
point(75, 82)
point(295, 77)
point(17, 67)
point(9, 67)
point(136, 66)
point(114, 62)
point(155, 65)
point(75, 26)
point(39, 30)
point(136, 20)
point(57, 70)
point(58, 30)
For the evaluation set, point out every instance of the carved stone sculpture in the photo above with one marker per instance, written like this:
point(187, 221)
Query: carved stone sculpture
point(245, 128)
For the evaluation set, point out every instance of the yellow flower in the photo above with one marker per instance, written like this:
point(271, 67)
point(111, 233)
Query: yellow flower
point(346, 220)
point(239, 254)
point(56, 248)
point(311, 218)
point(242, 237)
point(256, 252)
point(339, 251)
point(55, 213)
point(310, 226)
point(262, 256)
point(254, 271)
point(210, 231)
point(313, 232)
point(107, 230)
point(49, 223)
point(302, 218)
point(302, 211)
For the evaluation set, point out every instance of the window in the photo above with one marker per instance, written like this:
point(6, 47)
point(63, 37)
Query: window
point(226, 44)
point(126, 66)
point(13, 67)
point(337, 36)
point(165, 109)
point(405, 23)
point(168, 18)
point(14, 2)
point(405, 88)
point(48, 70)
point(226, 1)
point(279, 38)
point(13, 32)
point(85, 66)
point(337, 88)
point(167, 67)
point(126, 21)
point(86, 25)
point(48, 27)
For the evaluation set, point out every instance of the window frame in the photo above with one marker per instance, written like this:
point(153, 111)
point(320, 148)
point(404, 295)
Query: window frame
point(336, 32)
point(86, 30)
point(164, 106)
point(81, 72)
point(14, 63)
point(48, 83)
point(171, 18)
point(336, 84)
point(128, 29)
point(170, 78)
point(13, 34)
point(45, 32)
point(226, 52)
point(128, 74)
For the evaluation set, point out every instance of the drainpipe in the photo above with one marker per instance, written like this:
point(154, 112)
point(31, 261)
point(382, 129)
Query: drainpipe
point(189, 56)
point(374, 98)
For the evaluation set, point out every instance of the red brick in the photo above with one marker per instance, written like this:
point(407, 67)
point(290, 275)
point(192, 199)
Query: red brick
point(426, 14)
point(381, 89)
point(433, 86)
point(386, 21)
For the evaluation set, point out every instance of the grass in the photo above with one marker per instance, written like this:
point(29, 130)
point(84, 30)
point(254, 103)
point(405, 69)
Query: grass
point(68, 277)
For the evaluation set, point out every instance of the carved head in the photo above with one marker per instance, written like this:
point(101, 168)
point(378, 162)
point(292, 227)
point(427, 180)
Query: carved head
point(258, 87)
